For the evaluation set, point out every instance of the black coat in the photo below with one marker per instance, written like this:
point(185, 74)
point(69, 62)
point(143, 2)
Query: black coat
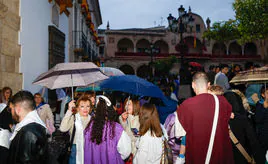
point(243, 131)
point(5, 119)
point(29, 146)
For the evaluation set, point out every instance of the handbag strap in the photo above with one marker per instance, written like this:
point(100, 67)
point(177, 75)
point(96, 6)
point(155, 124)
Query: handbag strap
point(213, 132)
point(72, 137)
point(239, 146)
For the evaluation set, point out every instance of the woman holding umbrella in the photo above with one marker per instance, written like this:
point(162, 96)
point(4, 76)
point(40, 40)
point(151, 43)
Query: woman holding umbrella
point(75, 121)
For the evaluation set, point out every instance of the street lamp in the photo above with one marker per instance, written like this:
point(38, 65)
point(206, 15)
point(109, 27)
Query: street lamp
point(180, 25)
point(152, 51)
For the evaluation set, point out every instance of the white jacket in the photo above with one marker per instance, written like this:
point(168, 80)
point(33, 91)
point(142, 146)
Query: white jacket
point(149, 149)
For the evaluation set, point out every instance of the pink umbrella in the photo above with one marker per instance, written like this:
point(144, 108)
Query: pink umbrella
point(69, 75)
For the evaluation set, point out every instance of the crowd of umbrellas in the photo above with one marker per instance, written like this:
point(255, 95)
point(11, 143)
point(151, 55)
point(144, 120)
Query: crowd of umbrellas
point(88, 76)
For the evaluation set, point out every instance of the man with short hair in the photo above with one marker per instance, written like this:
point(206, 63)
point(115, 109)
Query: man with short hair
point(196, 116)
point(29, 139)
point(221, 79)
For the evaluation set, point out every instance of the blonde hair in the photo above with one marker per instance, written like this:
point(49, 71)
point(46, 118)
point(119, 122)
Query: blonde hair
point(215, 89)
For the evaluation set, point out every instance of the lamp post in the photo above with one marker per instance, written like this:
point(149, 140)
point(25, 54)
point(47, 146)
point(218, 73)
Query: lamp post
point(180, 25)
point(152, 51)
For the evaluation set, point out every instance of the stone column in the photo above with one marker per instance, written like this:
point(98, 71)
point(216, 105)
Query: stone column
point(9, 48)
point(243, 49)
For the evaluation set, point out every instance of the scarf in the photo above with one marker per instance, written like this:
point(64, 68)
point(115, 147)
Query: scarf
point(41, 104)
point(2, 106)
point(79, 136)
point(31, 117)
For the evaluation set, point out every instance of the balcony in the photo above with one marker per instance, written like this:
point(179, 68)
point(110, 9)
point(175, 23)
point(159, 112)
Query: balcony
point(191, 55)
point(80, 43)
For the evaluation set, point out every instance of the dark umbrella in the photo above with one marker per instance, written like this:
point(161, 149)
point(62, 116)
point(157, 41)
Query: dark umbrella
point(133, 85)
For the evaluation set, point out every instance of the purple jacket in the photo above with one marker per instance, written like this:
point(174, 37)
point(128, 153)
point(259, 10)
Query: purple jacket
point(106, 152)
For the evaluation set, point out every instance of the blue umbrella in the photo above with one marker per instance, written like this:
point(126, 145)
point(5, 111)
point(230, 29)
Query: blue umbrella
point(91, 87)
point(133, 85)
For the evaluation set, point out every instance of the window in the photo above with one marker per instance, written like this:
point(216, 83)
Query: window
point(198, 30)
point(101, 51)
point(56, 46)
point(122, 49)
point(141, 50)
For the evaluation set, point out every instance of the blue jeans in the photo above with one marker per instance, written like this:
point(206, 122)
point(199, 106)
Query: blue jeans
point(72, 159)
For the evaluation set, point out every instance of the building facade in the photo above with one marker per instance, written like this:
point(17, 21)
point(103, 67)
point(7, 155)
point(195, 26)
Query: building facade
point(10, 54)
point(36, 35)
point(84, 23)
point(126, 49)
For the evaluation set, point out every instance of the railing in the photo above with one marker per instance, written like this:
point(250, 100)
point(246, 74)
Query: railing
point(190, 55)
point(80, 43)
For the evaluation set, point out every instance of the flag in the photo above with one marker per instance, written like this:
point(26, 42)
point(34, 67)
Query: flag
point(194, 40)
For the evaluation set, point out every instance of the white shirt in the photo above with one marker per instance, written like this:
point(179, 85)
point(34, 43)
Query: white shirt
point(124, 145)
point(149, 149)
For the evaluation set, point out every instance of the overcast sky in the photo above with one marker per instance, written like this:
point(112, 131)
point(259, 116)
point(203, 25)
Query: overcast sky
point(148, 13)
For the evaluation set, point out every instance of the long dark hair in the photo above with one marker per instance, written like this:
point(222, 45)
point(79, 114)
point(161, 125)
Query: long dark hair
point(104, 114)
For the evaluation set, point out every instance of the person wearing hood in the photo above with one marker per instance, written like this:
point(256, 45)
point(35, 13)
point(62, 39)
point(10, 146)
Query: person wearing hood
point(29, 139)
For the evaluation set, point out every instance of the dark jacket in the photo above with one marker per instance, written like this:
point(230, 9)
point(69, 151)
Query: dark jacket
point(29, 146)
point(243, 131)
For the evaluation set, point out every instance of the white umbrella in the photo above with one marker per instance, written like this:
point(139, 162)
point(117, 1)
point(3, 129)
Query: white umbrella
point(69, 75)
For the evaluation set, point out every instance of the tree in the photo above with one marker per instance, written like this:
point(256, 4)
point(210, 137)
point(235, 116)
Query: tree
point(252, 18)
point(223, 31)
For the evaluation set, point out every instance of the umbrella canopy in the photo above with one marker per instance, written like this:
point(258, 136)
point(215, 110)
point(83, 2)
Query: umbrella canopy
point(257, 75)
point(110, 71)
point(133, 85)
point(69, 75)
point(91, 87)
point(195, 64)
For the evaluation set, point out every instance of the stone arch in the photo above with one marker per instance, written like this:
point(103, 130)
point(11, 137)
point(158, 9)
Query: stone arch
point(219, 48)
point(189, 41)
point(142, 45)
point(125, 45)
point(144, 71)
point(250, 49)
point(235, 49)
point(162, 45)
point(127, 69)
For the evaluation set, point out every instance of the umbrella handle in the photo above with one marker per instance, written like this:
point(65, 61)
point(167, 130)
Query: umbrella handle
point(72, 87)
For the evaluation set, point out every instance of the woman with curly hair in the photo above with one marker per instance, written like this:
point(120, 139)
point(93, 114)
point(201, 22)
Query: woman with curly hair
point(105, 139)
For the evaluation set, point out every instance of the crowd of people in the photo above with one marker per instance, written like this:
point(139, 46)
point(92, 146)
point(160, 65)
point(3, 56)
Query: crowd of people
point(221, 124)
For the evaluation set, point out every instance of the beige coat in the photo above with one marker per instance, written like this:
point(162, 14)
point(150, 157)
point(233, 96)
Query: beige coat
point(67, 123)
point(132, 122)
point(46, 115)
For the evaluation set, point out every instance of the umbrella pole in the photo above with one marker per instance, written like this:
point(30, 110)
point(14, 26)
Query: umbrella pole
point(72, 87)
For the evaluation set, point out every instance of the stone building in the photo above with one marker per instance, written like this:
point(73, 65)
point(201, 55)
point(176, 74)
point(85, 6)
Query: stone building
point(127, 49)
point(10, 52)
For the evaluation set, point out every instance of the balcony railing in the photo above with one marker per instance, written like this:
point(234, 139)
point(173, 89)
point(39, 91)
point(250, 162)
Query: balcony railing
point(80, 43)
point(190, 55)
